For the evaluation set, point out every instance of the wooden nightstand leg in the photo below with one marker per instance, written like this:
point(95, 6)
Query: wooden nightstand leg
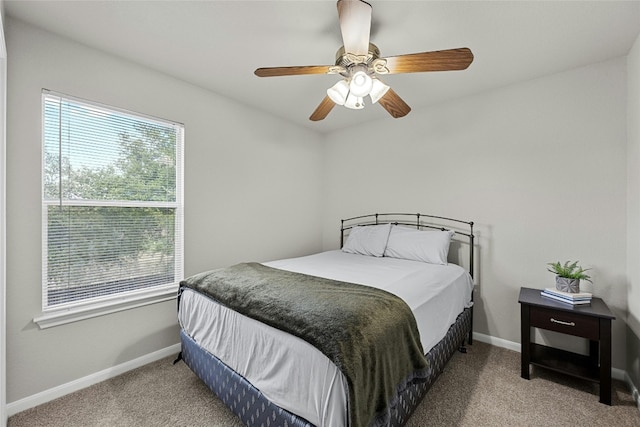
point(605, 361)
point(525, 340)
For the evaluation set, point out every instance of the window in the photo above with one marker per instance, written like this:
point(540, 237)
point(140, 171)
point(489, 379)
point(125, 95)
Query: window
point(112, 205)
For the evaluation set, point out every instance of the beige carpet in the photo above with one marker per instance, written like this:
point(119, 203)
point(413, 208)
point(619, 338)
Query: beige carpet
point(480, 388)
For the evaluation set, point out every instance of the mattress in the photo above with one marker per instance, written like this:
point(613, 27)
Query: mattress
point(292, 373)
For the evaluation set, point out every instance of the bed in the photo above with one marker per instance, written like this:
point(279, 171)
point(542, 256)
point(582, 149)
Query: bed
point(273, 360)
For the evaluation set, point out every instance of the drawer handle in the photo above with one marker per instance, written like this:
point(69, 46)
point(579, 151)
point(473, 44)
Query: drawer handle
point(563, 323)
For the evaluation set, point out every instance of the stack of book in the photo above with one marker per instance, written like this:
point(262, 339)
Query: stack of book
point(580, 298)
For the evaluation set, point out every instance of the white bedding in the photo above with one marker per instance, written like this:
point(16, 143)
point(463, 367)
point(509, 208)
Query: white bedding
point(291, 372)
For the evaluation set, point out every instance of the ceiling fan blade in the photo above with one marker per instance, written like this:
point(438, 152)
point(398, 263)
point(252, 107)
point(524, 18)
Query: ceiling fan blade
point(439, 60)
point(292, 71)
point(394, 104)
point(323, 109)
point(355, 25)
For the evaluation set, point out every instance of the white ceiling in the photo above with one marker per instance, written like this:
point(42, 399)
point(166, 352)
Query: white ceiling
point(218, 44)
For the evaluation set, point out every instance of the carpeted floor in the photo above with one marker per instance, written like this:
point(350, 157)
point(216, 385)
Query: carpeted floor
point(480, 388)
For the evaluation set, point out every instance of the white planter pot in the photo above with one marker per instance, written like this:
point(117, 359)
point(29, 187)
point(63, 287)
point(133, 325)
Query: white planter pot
point(565, 284)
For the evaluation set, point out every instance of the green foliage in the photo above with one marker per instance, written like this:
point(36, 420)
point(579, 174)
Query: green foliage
point(145, 170)
point(87, 239)
point(92, 241)
point(148, 166)
point(570, 270)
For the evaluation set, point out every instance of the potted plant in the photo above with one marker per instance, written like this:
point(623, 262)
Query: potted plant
point(568, 275)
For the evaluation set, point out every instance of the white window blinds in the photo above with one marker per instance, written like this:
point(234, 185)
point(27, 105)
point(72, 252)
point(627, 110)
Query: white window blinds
point(112, 203)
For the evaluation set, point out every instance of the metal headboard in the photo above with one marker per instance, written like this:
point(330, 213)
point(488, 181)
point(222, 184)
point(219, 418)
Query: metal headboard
point(420, 221)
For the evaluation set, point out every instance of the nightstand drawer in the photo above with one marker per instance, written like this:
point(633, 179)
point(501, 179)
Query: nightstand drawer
point(566, 323)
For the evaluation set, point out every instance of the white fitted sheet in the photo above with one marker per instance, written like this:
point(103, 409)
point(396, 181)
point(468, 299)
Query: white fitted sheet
point(291, 372)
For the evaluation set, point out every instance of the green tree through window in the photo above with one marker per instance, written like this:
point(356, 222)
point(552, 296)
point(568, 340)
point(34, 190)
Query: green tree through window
point(112, 201)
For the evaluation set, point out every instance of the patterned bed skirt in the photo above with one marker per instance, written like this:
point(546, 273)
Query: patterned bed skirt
point(254, 409)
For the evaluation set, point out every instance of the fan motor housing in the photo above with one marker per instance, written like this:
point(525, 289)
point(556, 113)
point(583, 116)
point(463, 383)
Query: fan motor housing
point(344, 59)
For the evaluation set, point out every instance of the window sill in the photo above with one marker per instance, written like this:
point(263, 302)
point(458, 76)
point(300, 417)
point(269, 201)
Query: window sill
point(74, 314)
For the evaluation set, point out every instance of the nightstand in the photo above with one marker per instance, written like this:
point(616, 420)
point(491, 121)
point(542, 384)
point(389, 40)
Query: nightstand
point(592, 322)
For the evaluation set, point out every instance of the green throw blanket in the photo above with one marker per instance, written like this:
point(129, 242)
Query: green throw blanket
point(369, 334)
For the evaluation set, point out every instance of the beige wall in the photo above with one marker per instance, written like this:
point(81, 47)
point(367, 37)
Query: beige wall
point(539, 166)
point(633, 213)
point(251, 186)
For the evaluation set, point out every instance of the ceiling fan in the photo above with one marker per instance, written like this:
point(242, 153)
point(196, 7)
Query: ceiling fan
point(360, 65)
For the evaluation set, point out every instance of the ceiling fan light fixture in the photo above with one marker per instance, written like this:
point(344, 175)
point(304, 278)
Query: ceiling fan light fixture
point(359, 63)
point(354, 102)
point(378, 90)
point(339, 92)
point(361, 84)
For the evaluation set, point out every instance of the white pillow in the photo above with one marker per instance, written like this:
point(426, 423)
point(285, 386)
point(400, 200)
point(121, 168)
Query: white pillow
point(368, 240)
point(412, 244)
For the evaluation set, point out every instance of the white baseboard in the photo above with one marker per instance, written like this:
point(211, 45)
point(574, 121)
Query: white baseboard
point(616, 373)
point(64, 389)
point(498, 342)
point(634, 390)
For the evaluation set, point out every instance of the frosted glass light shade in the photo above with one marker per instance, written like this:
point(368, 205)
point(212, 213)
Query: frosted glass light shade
point(354, 102)
point(361, 84)
point(338, 92)
point(378, 90)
